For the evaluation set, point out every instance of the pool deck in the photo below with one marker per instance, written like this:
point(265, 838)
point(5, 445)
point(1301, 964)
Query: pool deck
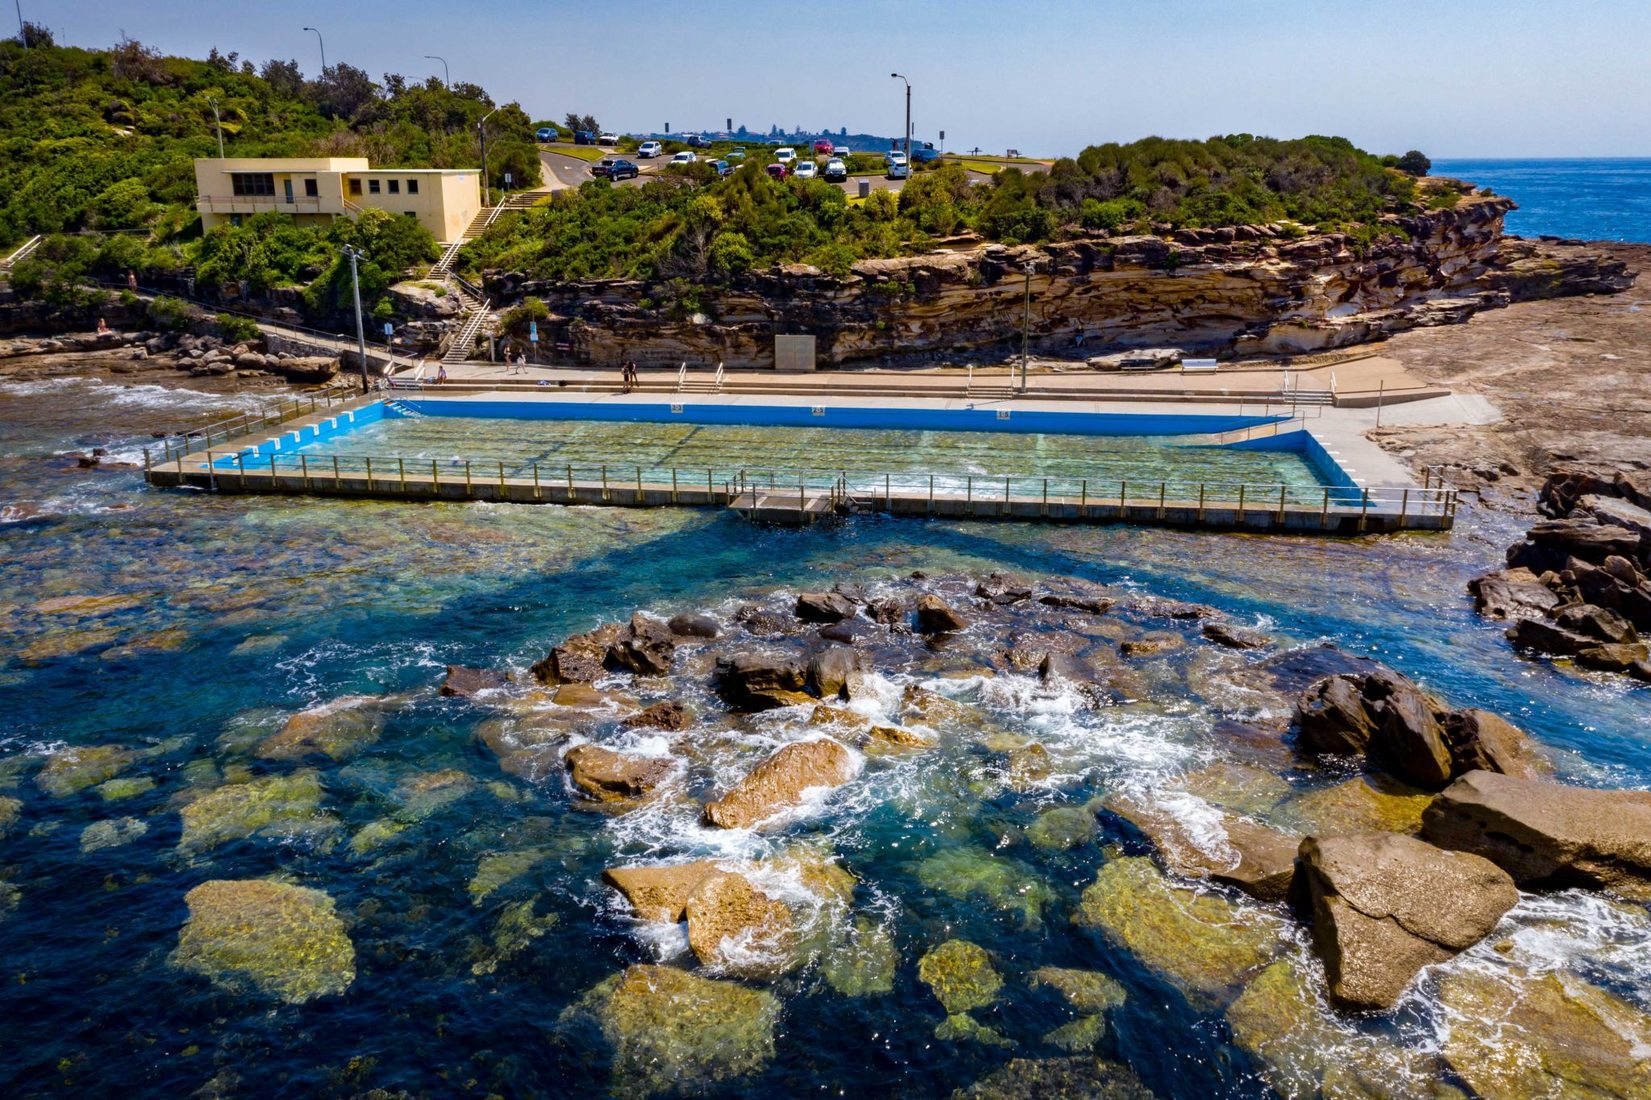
point(1379, 493)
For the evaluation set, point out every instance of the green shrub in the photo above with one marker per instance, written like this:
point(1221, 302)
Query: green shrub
point(170, 314)
point(236, 330)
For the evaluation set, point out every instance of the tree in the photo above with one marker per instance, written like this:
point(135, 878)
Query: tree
point(346, 92)
point(1415, 163)
point(35, 37)
point(284, 79)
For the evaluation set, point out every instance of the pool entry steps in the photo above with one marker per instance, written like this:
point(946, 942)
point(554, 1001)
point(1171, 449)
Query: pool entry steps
point(276, 452)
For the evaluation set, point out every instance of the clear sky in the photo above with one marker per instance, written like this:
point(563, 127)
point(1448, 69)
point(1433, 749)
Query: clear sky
point(1514, 78)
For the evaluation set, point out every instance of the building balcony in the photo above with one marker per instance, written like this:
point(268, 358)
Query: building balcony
point(258, 204)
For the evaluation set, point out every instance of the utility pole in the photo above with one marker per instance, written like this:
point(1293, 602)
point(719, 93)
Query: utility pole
point(481, 129)
point(446, 77)
point(323, 42)
point(219, 123)
point(1026, 326)
point(360, 333)
point(22, 27)
point(897, 76)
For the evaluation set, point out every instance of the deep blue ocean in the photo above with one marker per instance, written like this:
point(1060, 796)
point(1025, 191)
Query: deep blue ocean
point(1607, 199)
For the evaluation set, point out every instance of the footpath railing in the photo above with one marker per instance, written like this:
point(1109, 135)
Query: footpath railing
point(1097, 499)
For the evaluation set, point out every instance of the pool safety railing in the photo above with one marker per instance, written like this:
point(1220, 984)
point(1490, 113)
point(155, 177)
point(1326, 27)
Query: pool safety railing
point(173, 446)
point(793, 496)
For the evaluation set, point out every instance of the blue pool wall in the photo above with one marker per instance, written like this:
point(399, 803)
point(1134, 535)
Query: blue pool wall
point(971, 419)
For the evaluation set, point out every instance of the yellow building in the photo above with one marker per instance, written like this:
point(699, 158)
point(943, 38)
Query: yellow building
point(316, 190)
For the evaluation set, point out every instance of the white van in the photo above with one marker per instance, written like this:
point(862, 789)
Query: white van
point(786, 155)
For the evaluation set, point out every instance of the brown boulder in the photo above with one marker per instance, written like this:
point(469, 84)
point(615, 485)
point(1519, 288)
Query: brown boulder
point(1482, 741)
point(1257, 859)
point(1596, 622)
point(581, 658)
point(465, 682)
point(646, 647)
point(824, 607)
point(739, 930)
point(667, 715)
point(760, 681)
point(835, 672)
point(1584, 538)
point(936, 616)
point(1384, 906)
point(1078, 595)
point(609, 776)
point(779, 783)
point(1235, 637)
point(1512, 594)
point(1548, 835)
point(660, 893)
point(688, 625)
point(1003, 588)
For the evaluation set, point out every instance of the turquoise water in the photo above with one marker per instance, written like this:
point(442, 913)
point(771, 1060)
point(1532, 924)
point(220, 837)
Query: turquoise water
point(233, 613)
point(781, 455)
point(1607, 199)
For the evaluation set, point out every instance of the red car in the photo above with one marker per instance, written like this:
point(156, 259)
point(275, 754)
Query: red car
point(778, 171)
point(824, 147)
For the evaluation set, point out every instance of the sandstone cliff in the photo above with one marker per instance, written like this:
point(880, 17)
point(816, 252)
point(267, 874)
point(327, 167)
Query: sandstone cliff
point(1251, 289)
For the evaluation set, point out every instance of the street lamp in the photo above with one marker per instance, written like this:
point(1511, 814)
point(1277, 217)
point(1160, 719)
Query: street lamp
point(22, 27)
point(446, 78)
point(1025, 325)
point(897, 76)
point(323, 43)
point(481, 128)
point(219, 123)
point(355, 287)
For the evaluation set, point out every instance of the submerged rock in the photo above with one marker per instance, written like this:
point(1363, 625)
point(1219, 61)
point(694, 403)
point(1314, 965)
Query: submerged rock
point(1078, 1078)
point(72, 770)
point(339, 728)
point(515, 930)
point(660, 893)
point(124, 787)
point(973, 873)
point(1233, 636)
point(276, 805)
point(1087, 991)
point(1200, 842)
point(10, 810)
point(498, 868)
point(961, 976)
point(961, 1026)
point(1384, 906)
point(282, 941)
point(736, 929)
point(673, 1032)
point(860, 959)
point(1364, 804)
point(781, 782)
point(1515, 1035)
point(111, 834)
point(1200, 942)
point(1305, 1051)
point(1548, 835)
point(1063, 827)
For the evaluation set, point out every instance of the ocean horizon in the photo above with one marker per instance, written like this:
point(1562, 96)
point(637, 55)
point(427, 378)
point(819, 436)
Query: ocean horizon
point(1590, 198)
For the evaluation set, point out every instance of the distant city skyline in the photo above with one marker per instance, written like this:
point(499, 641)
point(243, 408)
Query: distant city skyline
point(1525, 79)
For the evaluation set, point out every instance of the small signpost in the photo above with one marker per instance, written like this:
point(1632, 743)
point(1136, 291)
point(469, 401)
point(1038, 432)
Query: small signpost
point(533, 332)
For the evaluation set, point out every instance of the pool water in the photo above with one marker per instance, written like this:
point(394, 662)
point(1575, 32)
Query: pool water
point(187, 625)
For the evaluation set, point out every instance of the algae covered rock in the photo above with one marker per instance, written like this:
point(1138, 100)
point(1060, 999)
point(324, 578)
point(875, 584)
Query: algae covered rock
point(669, 1031)
point(962, 1026)
point(1306, 1051)
point(1002, 883)
point(338, 728)
point(1087, 991)
point(280, 940)
point(515, 930)
point(10, 810)
point(1077, 1078)
point(1517, 1035)
point(498, 868)
point(1197, 940)
point(1063, 827)
point(74, 769)
point(1363, 804)
point(961, 975)
point(277, 805)
point(111, 834)
point(861, 959)
point(123, 787)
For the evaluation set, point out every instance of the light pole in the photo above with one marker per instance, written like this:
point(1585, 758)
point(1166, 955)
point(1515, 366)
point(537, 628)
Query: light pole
point(897, 76)
point(323, 43)
point(219, 123)
point(22, 27)
point(1025, 326)
point(481, 129)
point(355, 287)
point(446, 77)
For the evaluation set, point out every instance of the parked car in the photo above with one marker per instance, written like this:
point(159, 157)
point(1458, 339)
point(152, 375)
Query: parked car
point(608, 139)
point(722, 167)
point(785, 155)
point(894, 156)
point(841, 151)
point(685, 157)
point(898, 171)
point(824, 147)
point(615, 168)
point(806, 170)
point(649, 149)
point(545, 133)
point(696, 142)
point(836, 170)
point(584, 137)
point(778, 170)
point(925, 155)
point(737, 153)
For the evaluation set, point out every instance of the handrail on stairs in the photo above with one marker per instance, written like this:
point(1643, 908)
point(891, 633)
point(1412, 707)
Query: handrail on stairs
point(682, 377)
point(719, 378)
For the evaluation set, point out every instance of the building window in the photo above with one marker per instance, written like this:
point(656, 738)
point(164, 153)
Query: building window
point(235, 220)
point(395, 187)
point(410, 214)
point(412, 187)
point(310, 190)
point(355, 187)
point(372, 187)
point(252, 184)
